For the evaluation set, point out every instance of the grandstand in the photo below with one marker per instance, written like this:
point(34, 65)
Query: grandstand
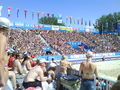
point(60, 43)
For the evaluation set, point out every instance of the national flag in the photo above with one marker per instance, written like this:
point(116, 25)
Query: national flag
point(89, 23)
point(70, 19)
point(25, 13)
point(38, 14)
point(48, 14)
point(1, 10)
point(81, 21)
point(78, 21)
point(32, 15)
point(17, 13)
point(9, 11)
point(85, 22)
point(66, 19)
point(74, 21)
point(52, 15)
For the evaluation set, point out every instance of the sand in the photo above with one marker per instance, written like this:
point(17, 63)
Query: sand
point(107, 69)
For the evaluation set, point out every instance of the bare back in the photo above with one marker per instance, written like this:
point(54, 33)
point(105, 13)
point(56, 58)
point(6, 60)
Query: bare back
point(88, 70)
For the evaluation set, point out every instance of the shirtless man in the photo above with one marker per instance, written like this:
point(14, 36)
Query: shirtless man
point(35, 76)
point(88, 71)
point(4, 24)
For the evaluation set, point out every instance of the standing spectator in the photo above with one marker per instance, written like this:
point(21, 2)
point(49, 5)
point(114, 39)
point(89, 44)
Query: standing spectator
point(64, 64)
point(4, 24)
point(88, 70)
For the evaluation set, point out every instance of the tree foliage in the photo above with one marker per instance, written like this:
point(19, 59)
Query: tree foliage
point(50, 21)
point(108, 23)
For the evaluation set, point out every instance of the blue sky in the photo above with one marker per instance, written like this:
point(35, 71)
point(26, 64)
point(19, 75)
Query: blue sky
point(86, 9)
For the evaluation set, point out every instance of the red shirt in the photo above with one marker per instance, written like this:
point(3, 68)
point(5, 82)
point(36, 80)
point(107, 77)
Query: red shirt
point(10, 63)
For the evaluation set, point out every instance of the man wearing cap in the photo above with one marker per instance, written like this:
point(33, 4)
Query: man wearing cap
point(4, 25)
point(36, 75)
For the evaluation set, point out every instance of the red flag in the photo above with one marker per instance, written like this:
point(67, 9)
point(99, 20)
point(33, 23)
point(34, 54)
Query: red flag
point(9, 11)
point(25, 13)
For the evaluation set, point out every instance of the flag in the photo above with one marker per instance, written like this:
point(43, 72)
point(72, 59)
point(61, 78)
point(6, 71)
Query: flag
point(52, 15)
point(48, 14)
point(38, 14)
point(89, 23)
point(44, 14)
point(81, 21)
point(70, 19)
point(9, 11)
point(17, 13)
point(1, 10)
point(74, 21)
point(66, 19)
point(78, 21)
point(32, 15)
point(25, 13)
point(85, 22)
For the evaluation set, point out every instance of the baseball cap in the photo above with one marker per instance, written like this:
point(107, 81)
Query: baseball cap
point(4, 22)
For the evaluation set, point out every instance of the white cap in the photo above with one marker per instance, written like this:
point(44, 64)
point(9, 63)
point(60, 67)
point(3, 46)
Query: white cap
point(4, 22)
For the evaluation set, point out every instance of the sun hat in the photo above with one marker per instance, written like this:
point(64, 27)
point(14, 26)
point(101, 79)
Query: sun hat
point(41, 60)
point(89, 54)
point(4, 22)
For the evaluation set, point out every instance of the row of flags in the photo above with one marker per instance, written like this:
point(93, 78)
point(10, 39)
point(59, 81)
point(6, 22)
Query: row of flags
point(69, 19)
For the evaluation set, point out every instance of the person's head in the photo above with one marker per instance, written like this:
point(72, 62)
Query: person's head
point(4, 24)
point(89, 55)
point(118, 77)
point(64, 57)
point(41, 62)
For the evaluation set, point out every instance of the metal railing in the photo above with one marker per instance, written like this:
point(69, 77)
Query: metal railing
point(108, 82)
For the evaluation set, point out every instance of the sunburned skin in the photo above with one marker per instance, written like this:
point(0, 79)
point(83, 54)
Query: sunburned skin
point(3, 61)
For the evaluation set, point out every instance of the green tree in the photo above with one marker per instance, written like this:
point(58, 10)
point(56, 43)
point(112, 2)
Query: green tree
point(50, 21)
point(108, 23)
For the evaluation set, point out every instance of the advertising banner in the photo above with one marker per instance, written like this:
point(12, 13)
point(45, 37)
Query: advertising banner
point(38, 26)
point(55, 27)
point(47, 27)
point(59, 21)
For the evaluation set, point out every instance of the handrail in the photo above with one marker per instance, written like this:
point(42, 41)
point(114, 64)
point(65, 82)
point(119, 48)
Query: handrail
point(107, 81)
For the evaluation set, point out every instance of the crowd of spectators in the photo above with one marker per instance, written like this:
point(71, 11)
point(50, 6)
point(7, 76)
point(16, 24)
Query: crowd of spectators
point(27, 41)
point(102, 43)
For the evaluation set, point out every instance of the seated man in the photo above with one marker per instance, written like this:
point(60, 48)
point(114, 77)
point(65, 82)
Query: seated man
point(35, 76)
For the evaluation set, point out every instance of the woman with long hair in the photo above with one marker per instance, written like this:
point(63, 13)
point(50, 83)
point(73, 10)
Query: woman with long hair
point(88, 72)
